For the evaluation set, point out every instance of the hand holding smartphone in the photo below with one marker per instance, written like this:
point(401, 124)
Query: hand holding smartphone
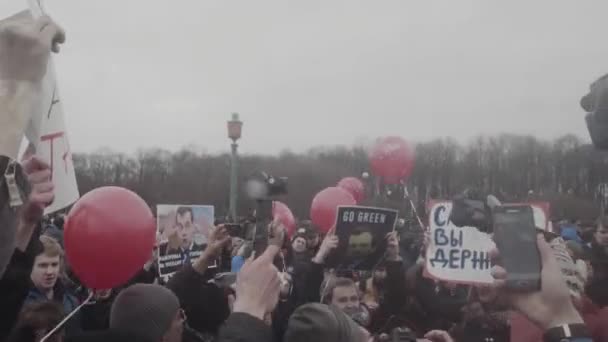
point(515, 237)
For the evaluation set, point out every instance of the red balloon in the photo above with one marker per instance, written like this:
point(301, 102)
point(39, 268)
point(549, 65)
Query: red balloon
point(281, 212)
point(392, 158)
point(109, 235)
point(354, 186)
point(324, 207)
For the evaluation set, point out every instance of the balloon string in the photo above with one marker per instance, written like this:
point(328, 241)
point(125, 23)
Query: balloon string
point(67, 318)
point(407, 196)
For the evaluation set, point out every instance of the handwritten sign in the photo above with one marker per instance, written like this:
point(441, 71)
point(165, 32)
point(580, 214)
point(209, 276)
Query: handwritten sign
point(46, 131)
point(456, 254)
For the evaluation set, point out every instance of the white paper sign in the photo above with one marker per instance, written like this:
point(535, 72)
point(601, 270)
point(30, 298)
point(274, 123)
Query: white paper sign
point(457, 254)
point(47, 132)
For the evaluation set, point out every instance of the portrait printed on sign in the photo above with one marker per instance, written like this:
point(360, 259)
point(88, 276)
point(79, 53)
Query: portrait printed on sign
point(183, 231)
point(362, 233)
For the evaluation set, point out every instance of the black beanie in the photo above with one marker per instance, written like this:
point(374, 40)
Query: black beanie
point(144, 309)
point(321, 323)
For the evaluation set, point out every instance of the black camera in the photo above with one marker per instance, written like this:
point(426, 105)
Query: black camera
point(262, 186)
point(472, 210)
point(595, 103)
point(264, 189)
point(399, 334)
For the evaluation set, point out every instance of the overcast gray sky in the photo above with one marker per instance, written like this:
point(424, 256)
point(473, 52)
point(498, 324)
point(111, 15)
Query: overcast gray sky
point(142, 73)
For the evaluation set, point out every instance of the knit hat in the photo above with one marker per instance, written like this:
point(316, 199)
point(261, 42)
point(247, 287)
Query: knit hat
point(321, 323)
point(570, 234)
point(144, 309)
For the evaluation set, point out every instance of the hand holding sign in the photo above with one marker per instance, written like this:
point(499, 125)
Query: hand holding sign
point(42, 194)
point(218, 240)
point(330, 242)
point(392, 247)
point(25, 46)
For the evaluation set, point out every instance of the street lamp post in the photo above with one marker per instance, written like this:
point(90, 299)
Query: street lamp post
point(234, 133)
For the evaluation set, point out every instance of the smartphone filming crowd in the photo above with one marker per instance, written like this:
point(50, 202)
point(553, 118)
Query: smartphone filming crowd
point(95, 276)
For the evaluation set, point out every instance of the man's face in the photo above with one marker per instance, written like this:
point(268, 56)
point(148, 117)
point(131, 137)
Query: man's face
point(185, 229)
point(601, 236)
point(45, 271)
point(299, 245)
point(345, 297)
point(360, 244)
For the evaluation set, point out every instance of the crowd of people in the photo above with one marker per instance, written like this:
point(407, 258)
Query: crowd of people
point(284, 293)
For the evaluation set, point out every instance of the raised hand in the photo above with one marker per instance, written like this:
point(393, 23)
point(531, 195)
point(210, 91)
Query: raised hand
point(39, 176)
point(549, 307)
point(217, 241)
point(392, 247)
point(25, 46)
point(330, 242)
point(257, 286)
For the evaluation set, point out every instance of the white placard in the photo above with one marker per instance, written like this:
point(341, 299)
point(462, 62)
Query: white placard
point(457, 254)
point(47, 132)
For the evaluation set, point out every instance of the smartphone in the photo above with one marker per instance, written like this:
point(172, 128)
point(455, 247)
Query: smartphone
point(263, 216)
point(235, 230)
point(515, 238)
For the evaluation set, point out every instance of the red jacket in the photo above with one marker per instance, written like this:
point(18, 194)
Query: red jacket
point(522, 330)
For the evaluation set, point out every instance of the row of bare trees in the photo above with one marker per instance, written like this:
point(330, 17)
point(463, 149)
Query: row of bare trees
point(508, 165)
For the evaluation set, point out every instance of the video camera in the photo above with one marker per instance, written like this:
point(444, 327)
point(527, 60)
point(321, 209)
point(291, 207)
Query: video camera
point(595, 103)
point(264, 189)
point(472, 210)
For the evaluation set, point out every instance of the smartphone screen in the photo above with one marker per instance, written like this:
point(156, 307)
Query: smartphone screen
point(515, 237)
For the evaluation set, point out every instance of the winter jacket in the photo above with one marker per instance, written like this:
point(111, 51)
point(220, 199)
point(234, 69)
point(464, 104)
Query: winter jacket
point(15, 284)
point(394, 300)
point(241, 327)
point(205, 304)
point(65, 298)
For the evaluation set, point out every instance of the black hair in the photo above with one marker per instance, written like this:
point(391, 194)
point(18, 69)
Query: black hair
point(181, 211)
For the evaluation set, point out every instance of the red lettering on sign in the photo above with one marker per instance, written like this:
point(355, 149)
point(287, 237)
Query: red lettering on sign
point(51, 137)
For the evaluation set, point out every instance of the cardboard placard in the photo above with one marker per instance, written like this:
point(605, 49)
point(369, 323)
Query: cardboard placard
point(47, 134)
point(183, 231)
point(456, 254)
point(362, 233)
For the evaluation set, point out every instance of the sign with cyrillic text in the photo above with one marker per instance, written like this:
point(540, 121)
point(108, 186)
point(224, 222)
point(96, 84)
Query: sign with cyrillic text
point(456, 254)
point(47, 133)
point(183, 231)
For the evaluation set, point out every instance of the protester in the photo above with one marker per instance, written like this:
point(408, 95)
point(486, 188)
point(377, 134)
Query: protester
point(204, 302)
point(598, 254)
point(36, 321)
point(15, 282)
point(150, 311)
point(343, 293)
point(47, 284)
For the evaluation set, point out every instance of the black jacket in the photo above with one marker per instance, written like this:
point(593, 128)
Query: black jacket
point(15, 284)
point(205, 304)
point(241, 327)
